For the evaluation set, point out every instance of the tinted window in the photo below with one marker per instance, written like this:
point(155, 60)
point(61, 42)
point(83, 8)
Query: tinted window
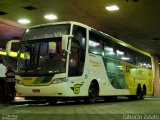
point(143, 61)
point(95, 44)
point(109, 50)
point(125, 54)
point(46, 32)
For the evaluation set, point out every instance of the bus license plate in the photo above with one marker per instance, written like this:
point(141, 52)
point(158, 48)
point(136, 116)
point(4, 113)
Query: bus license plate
point(36, 91)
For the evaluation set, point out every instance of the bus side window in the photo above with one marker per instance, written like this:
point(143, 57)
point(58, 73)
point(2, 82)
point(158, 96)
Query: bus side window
point(95, 45)
point(109, 50)
point(143, 61)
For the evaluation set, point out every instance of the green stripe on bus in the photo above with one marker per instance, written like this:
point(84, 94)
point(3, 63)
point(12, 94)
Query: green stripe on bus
point(44, 79)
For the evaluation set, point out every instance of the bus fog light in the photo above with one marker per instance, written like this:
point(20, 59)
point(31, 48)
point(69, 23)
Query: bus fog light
point(59, 80)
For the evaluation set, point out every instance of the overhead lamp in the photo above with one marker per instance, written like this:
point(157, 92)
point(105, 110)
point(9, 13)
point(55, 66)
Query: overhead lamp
point(50, 17)
point(24, 21)
point(112, 8)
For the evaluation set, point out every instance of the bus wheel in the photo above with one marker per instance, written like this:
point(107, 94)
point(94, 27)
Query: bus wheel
point(92, 93)
point(143, 91)
point(139, 93)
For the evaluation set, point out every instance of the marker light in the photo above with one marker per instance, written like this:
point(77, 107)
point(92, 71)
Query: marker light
point(50, 17)
point(24, 21)
point(112, 8)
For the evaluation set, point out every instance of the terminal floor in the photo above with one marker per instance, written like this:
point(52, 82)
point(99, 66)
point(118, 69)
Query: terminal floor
point(121, 109)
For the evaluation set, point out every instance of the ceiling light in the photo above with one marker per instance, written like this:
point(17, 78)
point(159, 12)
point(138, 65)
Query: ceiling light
point(112, 8)
point(24, 21)
point(50, 17)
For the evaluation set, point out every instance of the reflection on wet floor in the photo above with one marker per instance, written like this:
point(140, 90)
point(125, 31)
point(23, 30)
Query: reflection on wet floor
point(31, 110)
point(22, 102)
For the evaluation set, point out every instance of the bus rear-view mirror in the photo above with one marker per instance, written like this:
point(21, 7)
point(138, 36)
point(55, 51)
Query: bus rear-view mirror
point(65, 39)
point(9, 45)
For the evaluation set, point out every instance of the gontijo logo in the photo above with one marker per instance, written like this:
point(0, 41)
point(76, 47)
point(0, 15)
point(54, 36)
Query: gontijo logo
point(76, 88)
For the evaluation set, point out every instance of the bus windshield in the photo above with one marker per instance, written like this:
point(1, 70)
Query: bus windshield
point(46, 32)
point(42, 50)
point(42, 56)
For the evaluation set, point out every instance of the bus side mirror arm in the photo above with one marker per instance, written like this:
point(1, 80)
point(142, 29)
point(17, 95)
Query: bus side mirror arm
point(9, 45)
point(65, 41)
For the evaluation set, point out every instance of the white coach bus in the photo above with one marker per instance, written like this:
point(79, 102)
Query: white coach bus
point(71, 60)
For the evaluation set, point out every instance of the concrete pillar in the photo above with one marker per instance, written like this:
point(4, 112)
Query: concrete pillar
point(156, 75)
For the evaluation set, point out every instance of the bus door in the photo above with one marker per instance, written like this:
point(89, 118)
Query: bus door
point(78, 49)
point(74, 59)
point(75, 68)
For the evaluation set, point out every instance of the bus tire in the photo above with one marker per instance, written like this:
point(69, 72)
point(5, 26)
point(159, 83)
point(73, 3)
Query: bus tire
point(139, 93)
point(92, 93)
point(144, 90)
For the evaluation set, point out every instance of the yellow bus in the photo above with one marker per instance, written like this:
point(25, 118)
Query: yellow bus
point(70, 60)
point(10, 60)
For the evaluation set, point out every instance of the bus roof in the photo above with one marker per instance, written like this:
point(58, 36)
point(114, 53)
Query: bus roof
point(57, 23)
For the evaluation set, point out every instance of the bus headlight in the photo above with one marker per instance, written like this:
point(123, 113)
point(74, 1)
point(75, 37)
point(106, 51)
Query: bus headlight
point(59, 80)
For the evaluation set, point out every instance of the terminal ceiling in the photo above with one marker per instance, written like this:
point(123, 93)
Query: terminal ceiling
point(137, 22)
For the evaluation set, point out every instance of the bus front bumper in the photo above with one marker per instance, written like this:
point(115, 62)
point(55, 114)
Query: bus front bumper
point(52, 90)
